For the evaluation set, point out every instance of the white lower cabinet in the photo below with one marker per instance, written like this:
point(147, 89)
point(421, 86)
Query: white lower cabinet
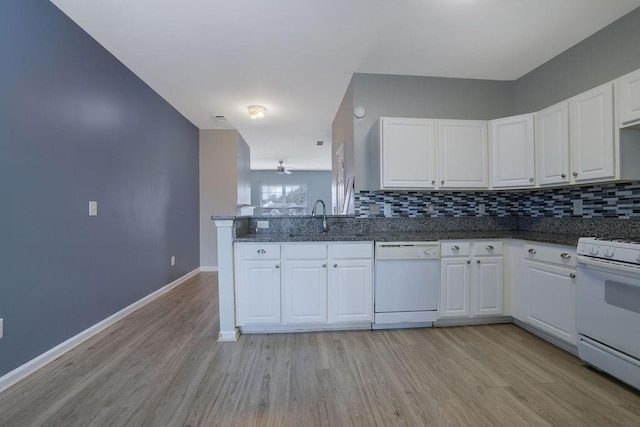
point(321, 283)
point(548, 290)
point(304, 291)
point(258, 292)
point(351, 290)
point(471, 282)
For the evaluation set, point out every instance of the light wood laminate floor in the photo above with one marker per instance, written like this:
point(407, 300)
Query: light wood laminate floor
point(162, 366)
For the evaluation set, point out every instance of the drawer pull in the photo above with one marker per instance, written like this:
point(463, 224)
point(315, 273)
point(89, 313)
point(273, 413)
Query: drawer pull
point(478, 261)
point(572, 275)
point(468, 261)
point(531, 179)
point(455, 248)
point(489, 247)
point(277, 265)
point(324, 265)
point(575, 174)
point(565, 255)
point(442, 182)
point(564, 175)
point(532, 251)
point(262, 251)
point(335, 265)
point(433, 182)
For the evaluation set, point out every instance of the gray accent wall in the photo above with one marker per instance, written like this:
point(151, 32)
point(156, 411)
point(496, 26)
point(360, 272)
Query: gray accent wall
point(76, 125)
point(608, 54)
point(410, 96)
point(318, 186)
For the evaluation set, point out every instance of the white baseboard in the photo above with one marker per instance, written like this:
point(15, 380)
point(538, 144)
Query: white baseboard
point(33, 365)
point(225, 336)
point(207, 269)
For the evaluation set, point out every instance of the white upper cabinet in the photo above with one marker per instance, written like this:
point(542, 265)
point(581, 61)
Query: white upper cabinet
point(406, 153)
point(592, 141)
point(512, 152)
point(463, 154)
point(552, 145)
point(628, 98)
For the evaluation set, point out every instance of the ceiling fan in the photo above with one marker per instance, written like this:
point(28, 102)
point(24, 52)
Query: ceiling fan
point(282, 170)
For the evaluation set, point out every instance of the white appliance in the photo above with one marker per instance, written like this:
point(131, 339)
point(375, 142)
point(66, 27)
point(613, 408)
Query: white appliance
point(608, 306)
point(407, 278)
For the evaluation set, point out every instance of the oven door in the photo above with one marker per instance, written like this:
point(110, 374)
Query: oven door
point(608, 305)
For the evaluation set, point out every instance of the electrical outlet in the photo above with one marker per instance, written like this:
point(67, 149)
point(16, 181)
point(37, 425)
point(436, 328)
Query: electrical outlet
point(1, 328)
point(374, 209)
point(173, 260)
point(430, 208)
point(93, 208)
point(482, 209)
point(577, 207)
point(263, 224)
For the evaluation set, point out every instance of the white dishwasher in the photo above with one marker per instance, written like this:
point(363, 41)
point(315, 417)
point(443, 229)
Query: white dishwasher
point(407, 279)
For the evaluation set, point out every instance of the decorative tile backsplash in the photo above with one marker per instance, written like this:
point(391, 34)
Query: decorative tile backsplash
point(620, 200)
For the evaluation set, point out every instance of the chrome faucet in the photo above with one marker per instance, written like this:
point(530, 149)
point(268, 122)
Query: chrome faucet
point(324, 214)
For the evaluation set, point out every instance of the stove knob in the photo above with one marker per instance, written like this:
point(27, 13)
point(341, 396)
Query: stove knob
point(593, 250)
point(608, 252)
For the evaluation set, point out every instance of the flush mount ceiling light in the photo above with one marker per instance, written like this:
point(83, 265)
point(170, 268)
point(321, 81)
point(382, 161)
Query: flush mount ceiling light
point(256, 111)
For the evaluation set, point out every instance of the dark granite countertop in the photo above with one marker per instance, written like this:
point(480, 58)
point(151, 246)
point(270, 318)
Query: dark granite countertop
point(557, 238)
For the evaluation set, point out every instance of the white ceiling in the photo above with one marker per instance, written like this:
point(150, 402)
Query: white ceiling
point(296, 57)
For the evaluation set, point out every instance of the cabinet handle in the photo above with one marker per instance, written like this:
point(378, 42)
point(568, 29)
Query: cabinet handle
point(575, 174)
point(442, 182)
point(489, 247)
point(564, 175)
point(433, 182)
point(565, 255)
point(324, 265)
point(468, 261)
point(455, 248)
point(531, 179)
point(262, 251)
point(335, 265)
point(477, 261)
point(277, 265)
point(572, 275)
point(532, 251)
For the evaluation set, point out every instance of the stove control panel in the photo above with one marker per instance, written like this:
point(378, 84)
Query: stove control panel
point(614, 249)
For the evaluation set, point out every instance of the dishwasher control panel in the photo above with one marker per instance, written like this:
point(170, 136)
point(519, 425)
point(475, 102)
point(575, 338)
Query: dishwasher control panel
point(407, 250)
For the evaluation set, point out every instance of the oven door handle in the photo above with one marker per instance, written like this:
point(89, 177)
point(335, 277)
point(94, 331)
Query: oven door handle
point(610, 266)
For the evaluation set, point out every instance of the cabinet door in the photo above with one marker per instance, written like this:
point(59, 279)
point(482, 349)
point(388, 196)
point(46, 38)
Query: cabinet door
point(591, 136)
point(552, 144)
point(462, 154)
point(628, 95)
point(454, 287)
point(259, 292)
point(408, 153)
point(512, 151)
point(350, 291)
point(551, 296)
point(304, 291)
point(488, 286)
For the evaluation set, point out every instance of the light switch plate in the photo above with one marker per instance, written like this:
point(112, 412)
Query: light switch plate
point(387, 209)
point(263, 224)
point(577, 207)
point(93, 208)
point(482, 209)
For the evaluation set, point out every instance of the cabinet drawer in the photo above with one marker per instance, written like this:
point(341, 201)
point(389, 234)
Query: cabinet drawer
point(552, 254)
point(452, 248)
point(259, 251)
point(352, 250)
point(304, 251)
point(488, 247)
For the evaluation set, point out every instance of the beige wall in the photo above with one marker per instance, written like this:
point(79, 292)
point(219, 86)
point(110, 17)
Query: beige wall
point(224, 156)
